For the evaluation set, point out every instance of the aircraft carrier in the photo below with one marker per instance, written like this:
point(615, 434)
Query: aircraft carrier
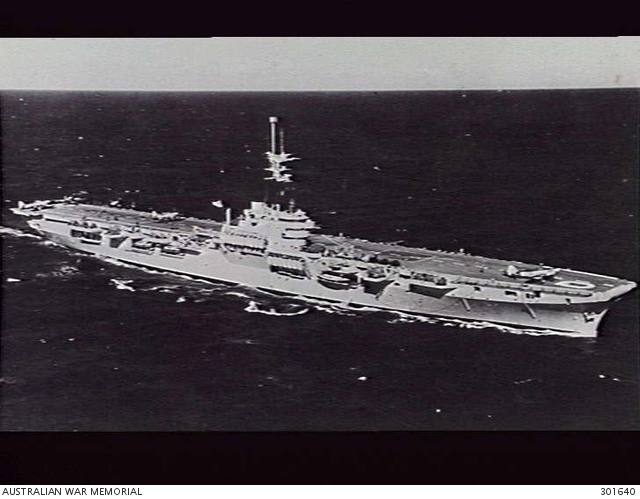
point(275, 247)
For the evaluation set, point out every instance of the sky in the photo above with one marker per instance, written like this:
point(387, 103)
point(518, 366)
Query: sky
point(318, 64)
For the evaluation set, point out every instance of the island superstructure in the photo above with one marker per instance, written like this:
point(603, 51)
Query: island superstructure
point(276, 247)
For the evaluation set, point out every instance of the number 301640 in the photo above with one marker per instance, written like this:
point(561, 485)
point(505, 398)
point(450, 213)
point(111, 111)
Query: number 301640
point(617, 491)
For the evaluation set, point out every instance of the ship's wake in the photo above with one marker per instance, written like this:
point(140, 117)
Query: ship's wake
point(237, 293)
point(165, 289)
point(402, 317)
point(122, 284)
point(10, 231)
point(254, 308)
point(330, 307)
point(64, 271)
point(14, 232)
point(407, 318)
point(326, 307)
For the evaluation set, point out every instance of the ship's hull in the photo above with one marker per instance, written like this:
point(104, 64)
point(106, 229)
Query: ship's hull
point(251, 270)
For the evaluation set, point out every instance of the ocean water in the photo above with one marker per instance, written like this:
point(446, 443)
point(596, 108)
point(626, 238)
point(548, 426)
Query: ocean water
point(537, 176)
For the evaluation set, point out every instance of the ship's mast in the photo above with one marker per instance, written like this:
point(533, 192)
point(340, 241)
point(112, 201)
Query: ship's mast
point(273, 121)
point(276, 155)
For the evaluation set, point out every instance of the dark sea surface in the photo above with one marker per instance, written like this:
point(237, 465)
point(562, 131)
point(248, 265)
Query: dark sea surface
point(535, 176)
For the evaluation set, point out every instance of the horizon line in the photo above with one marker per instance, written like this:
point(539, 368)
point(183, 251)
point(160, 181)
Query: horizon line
point(167, 90)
